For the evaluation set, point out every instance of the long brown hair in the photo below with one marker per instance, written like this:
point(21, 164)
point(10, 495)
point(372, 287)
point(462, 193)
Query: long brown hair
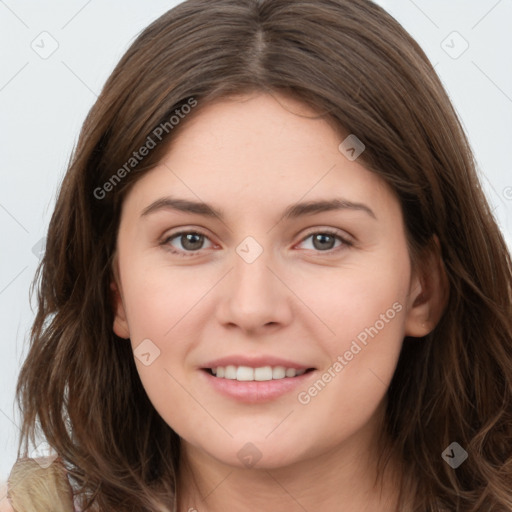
point(359, 68)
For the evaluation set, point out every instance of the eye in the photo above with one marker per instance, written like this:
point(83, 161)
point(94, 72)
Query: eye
point(190, 242)
point(323, 241)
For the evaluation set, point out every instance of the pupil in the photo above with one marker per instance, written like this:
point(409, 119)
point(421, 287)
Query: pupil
point(321, 239)
point(189, 242)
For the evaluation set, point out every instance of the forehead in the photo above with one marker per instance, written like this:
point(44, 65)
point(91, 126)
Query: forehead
point(249, 150)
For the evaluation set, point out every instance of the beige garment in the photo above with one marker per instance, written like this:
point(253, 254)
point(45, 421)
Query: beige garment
point(37, 485)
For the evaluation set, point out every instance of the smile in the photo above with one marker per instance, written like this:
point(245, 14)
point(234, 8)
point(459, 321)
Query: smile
point(262, 373)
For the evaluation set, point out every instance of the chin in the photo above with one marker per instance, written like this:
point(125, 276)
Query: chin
point(256, 452)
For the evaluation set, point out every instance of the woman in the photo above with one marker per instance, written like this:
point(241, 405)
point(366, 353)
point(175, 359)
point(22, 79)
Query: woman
point(257, 372)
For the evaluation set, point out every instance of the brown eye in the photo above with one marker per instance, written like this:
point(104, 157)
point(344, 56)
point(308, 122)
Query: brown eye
point(324, 241)
point(185, 241)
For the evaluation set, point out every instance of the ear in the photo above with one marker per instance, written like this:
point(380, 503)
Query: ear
point(428, 293)
point(120, 327)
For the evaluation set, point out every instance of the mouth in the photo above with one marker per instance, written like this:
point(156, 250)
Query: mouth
point(256, 374)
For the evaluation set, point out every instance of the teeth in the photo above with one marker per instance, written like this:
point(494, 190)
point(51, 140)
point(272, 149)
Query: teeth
point(246, 373)
point(230, 372)
point(279, 372)
point(263, 373)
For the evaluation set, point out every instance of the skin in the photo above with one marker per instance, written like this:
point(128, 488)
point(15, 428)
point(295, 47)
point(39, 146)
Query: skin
point(253, 156)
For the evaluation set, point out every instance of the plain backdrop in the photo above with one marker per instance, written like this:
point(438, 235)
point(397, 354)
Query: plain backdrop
point(44, 99)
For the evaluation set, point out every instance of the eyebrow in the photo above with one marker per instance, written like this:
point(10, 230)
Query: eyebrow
point(292, 212)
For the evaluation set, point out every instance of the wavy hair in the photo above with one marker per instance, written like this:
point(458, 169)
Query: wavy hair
point(358, 67)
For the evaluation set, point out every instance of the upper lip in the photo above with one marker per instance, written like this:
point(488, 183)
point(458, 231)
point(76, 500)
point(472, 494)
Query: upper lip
point(255, 362)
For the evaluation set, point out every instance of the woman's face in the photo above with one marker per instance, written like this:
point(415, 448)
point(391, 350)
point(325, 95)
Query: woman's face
point(299, 310)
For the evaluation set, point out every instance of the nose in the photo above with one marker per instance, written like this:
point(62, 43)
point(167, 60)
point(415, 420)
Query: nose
point(255, 296)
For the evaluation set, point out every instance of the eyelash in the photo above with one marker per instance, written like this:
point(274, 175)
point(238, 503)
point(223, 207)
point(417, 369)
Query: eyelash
point(345, 243)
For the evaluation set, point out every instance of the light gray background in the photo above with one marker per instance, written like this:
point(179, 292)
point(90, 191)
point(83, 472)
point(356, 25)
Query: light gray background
point(43, 102)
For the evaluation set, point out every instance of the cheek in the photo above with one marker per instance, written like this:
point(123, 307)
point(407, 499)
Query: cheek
point(158, 299)
point(367, 315)
point(348, 391)
point(351, 300)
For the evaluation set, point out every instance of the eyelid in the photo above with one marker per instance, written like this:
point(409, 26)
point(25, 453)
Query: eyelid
point(343, 235)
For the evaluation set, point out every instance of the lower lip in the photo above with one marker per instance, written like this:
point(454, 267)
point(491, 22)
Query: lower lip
point(256, 391)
